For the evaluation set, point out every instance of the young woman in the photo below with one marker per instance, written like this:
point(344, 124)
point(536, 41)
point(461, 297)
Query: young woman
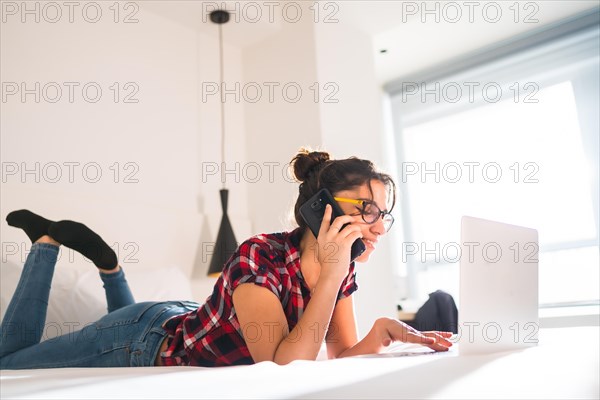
point(279, 297)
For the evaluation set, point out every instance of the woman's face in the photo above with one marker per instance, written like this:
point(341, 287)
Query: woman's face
point(371, 232)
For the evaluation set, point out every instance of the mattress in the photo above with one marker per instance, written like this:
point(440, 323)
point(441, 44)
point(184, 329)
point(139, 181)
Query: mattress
point(565, 364)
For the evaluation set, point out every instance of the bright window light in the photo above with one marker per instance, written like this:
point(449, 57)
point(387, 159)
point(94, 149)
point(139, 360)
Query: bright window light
point(512, 161)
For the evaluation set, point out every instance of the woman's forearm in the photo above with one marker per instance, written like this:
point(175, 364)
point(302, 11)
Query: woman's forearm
point(304, 341)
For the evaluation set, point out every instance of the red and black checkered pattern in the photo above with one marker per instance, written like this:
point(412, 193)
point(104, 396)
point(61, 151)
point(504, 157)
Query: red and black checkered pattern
point(211, 335)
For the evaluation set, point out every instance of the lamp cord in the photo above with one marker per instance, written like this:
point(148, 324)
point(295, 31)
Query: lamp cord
point(222, 101)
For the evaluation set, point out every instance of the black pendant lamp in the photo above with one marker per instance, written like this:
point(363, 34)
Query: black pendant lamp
point(226, 243)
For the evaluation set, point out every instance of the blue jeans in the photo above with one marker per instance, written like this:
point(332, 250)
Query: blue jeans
point(130, 334)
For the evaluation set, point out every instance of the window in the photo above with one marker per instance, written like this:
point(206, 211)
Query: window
point(515, 140)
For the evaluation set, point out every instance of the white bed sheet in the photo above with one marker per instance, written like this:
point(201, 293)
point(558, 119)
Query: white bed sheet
point(564, 365)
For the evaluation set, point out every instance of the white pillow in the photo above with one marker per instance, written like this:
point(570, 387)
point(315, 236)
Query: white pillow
point(77, 296)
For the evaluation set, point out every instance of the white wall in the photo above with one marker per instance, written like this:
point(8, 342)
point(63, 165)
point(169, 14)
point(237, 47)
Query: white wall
point(278, 125)
point(163, 136)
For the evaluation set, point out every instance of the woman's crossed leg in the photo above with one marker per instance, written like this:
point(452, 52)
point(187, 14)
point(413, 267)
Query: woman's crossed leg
point(114, 340)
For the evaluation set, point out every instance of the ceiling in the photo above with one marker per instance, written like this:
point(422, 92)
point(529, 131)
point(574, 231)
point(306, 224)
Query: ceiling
point(241, 30)
point(416, 45)
point(411, 36)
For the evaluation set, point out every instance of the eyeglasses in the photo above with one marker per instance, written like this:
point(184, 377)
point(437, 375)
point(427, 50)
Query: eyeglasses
point(370, 212)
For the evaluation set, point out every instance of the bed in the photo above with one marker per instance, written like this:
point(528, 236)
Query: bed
point(564, 365)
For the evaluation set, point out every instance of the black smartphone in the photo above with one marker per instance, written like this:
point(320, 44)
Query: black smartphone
point(312, 212)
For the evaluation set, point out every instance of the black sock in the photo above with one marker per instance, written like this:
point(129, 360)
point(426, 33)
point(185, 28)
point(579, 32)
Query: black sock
point(82, 239)
point(34, 226)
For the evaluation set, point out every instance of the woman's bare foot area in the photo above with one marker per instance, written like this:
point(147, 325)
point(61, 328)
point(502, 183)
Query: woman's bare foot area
point(47, 239)
point(110, 271)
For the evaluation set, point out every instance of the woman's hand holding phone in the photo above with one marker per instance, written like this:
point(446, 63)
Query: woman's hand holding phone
point(334, 244)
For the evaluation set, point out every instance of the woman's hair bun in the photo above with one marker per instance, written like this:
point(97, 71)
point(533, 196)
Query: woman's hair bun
point(307, 162)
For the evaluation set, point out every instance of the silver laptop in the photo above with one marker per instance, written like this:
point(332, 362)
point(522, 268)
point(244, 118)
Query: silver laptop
point(498, 303)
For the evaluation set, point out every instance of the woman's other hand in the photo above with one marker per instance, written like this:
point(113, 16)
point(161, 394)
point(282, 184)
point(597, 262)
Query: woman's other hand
point(391, 330)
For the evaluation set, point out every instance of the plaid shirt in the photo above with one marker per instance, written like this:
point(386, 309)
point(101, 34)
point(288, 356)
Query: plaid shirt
point(211, 335)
